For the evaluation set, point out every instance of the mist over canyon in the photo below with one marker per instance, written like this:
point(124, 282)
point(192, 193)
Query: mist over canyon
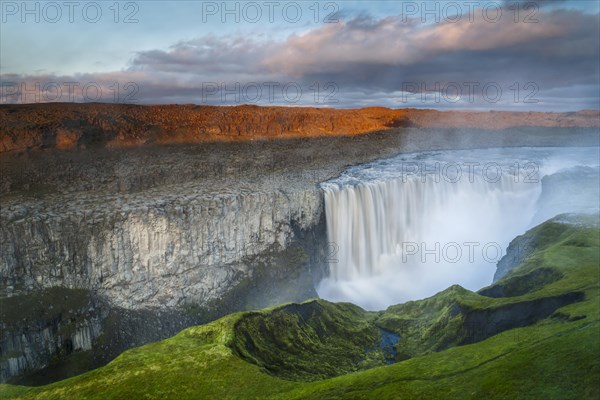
point(104, 248)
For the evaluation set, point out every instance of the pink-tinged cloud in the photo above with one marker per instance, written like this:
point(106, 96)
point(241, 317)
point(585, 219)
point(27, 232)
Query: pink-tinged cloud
point(396, 41)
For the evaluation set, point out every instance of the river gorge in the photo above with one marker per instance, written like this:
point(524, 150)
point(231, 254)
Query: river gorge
point(109, 249)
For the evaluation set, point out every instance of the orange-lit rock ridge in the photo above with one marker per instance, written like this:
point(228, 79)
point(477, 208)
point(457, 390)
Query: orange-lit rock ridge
point(70, 126)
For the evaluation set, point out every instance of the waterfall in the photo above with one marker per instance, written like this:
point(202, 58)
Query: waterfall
point(398, 236)
point(371, 221)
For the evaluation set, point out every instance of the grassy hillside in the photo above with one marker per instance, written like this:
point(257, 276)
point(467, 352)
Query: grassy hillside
point(534, 334)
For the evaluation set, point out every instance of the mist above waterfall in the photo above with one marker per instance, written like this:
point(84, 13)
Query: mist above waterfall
point(407, 227)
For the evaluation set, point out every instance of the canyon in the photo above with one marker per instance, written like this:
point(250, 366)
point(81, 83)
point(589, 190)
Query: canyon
point(121, 231)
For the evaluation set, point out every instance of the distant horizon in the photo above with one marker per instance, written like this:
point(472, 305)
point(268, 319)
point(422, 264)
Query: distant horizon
point(461, 110)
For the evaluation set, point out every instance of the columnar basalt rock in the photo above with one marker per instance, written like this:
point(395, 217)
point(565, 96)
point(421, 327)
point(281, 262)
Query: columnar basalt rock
point(152, 252)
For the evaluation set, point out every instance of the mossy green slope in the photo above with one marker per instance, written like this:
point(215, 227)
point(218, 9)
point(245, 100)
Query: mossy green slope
point(278, 353)
point(309, 341)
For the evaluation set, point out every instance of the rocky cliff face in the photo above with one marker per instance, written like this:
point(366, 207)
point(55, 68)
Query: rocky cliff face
point(158, 251)
point(44, 326)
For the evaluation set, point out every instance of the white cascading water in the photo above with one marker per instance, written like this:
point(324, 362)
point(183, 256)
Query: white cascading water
point(396, 235)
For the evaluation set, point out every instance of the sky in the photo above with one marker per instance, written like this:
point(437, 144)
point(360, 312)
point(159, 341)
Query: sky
point(485, 55)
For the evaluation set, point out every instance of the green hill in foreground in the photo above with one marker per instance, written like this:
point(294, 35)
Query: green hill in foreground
point(535, 334)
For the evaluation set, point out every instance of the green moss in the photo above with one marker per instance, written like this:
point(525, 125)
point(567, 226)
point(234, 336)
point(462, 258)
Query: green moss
point(245, 355)
point(517, 285)
point(307, 341)
point(426, 325)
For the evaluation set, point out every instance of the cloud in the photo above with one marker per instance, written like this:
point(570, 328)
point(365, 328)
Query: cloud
point(409, 48)
point(529, 4)
point(391, 41)
point(373, 61)
point(203, 56)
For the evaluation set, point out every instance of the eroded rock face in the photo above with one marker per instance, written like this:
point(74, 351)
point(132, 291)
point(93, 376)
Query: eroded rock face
point(46, 325)
point(149, 252)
